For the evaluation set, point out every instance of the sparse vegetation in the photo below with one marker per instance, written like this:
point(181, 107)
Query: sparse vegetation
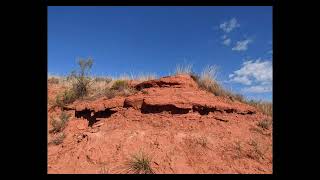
point(207, 81)
point(184, 69)
point(265, 124)
point(80, 84)
point(144, 91)
point(103, 79)
point(64, 98)
point(120, 85)
point(53, 80)
point(193, 142)
point(82, 80)
point(139, 164)
point(58, 139)
point(59, 124)
point(238, 148)
point(145, 77)
point(256, 153)
point(202, 141)
point(110, 93)
point(264, 107)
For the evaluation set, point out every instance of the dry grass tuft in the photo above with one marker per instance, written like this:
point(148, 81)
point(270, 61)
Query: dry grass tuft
point(58, 139)
point(53, 80)
point(264, 107)
point(264, 124)
point(184, 69)
point(59, 124)
point(139, 164)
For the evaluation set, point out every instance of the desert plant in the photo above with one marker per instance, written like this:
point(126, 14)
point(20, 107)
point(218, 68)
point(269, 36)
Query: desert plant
point(82, 79)
point(103, 79)
point(58, 139)
point(264, 107)
point(194, 76)
point(184, 69)
point(207, 81)
point(238, 97)
point(144, 91)
point(53, 80)
point(238, 148)
point(66, 97)
point(202, 141)
point(139, 164)
point(80, 85)
point(264, 124)
point(109, 93)
point(145, 77)
point(59, 125)
point(256, 152)
point(120, 85)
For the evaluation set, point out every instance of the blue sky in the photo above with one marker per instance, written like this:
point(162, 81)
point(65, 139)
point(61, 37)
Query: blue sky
point(155, 39)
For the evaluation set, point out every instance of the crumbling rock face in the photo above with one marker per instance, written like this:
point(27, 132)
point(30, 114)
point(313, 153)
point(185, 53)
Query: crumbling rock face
point(135, 103)
point(179, 81)
point(183, 128)
point(97, 105)
point(92, 116)
point(204, 110)
point(149, 108)
point(173, 94)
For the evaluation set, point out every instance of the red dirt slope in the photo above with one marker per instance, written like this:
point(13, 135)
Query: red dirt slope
point(182, 128)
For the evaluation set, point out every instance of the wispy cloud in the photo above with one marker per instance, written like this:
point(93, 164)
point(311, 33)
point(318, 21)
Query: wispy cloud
point(257, 89)
point(228, 26)
point(257, 73)
point(226, 42)
point(242, 45)
point(240, 79)
point(224, 37)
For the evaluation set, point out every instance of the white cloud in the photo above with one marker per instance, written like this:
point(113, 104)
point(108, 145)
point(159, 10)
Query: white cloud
point(257, 89)
point(257, 73)
point(226, 42)
point(228, 26)
point(242, 80)
point(242, 45)
point(260, 71)
point(270, 52)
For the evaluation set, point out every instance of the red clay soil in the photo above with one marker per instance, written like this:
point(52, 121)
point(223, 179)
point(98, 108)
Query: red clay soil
point(182, 128)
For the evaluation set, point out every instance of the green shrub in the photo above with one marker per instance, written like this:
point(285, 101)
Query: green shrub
point(66, 97)
point(82, 80)
point(59, 124)
point(120, 85)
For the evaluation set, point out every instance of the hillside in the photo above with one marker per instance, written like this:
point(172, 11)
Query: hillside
point(178, 126)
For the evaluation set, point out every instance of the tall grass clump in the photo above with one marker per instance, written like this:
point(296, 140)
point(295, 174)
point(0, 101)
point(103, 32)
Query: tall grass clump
point(59, 124)
point(208, 81)
point(139, 163)
point(183, 69)
point(264, 107)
